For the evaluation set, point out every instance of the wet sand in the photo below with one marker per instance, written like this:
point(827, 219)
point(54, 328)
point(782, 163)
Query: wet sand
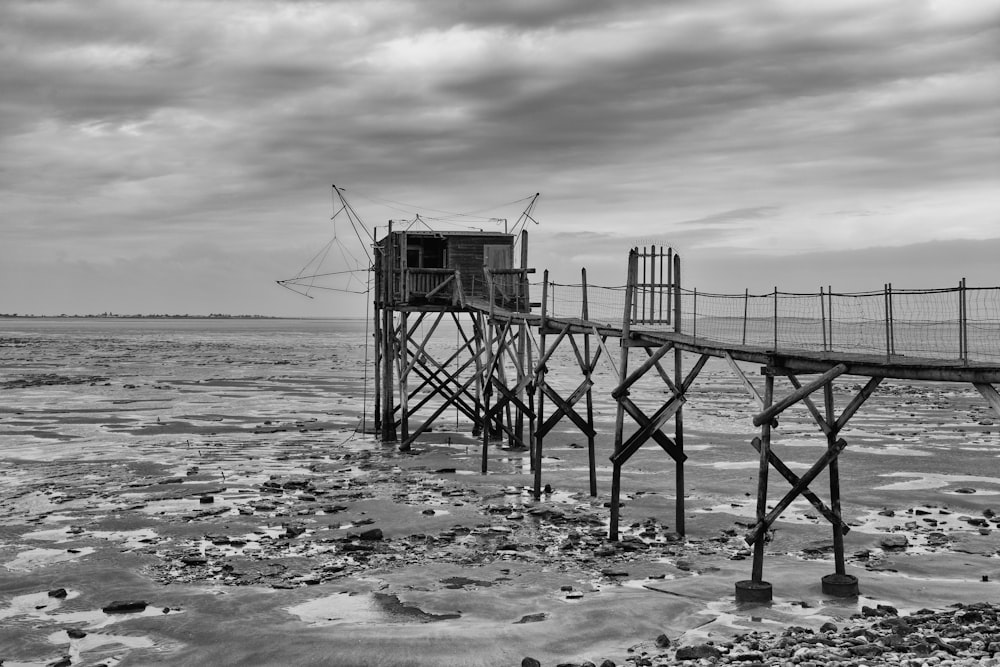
point(219, 477)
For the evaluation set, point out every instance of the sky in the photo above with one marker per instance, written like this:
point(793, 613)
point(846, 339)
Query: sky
point(178, 156)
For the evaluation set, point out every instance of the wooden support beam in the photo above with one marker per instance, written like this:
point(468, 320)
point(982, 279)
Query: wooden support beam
point(565, 407)
point(774, 410)
point(817, 415)
point(757, 569)
point(419, 350)
point(667, 380)
point(448, 401)
point(608, 358)
point(793, 479)
point(741, 376)
point(403, 370)
point(763, 524)
point(650, 428)
point(693, 373)
point(635, 375)
point(451, 388)
point(856, 403)
point(510, 396)
point(544, 357)
point(831, 443)
point(990, 393)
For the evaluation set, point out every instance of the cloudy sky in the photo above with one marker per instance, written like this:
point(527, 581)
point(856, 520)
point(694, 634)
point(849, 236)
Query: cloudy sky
point(178, 155)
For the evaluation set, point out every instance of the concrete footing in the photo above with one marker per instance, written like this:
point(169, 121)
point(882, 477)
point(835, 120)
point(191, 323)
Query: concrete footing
point(840, 585)
point(753, 591)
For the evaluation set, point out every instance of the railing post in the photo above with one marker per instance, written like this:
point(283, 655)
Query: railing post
point(822, 315)
point(746, 306)
point(775, 318)
point(829, 297)
point(885, 304)
point(963, 323)
point(694, 313)
point(670, 281)
point(677, 292)
point(892, 324)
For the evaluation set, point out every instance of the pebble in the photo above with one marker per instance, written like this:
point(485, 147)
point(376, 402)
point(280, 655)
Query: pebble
point(962, 635)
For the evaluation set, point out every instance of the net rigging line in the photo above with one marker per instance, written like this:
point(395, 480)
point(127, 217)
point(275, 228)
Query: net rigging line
point(445, 215)
point(308, 282)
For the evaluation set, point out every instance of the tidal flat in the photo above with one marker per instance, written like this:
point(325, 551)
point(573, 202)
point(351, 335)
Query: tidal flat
point(222, 474)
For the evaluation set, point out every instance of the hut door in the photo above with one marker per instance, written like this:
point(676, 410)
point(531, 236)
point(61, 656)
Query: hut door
point(498, 256)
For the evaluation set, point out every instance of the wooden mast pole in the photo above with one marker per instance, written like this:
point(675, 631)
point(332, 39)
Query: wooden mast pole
point(388, 338)
point(679, 415)
point(616, 470)
point(539, 389)
point(588, 373)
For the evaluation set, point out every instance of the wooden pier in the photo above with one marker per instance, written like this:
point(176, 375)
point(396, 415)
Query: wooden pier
point(498, 373)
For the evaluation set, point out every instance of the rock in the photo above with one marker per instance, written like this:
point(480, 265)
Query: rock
point(59, 593)
point(965, 489)
point(76, 633)
point(125, 607)
point(697, 652)
point(608, 663)
point(293, 530)
point(371, 535)
point(205, 500)
point(894, 541)
point(662, 641)
point(828, 627)
point(64, 661)
point(530, 662)
point(532, 618)
point(612, 573)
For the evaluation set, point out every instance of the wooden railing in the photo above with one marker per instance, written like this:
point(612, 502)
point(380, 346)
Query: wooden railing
point(508, 288)
point(433, 284)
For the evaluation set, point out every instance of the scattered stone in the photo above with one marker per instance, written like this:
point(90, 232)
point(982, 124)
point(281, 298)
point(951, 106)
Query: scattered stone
point(59, 593)
point(662, 641)
point(697, 652)
point(371, 535)
point(76, 633)
point(894, 542)
point(125, 607)
point(64, 661)
point(532, 618)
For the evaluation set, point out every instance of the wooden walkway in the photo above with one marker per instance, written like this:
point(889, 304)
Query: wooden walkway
point(503, 387)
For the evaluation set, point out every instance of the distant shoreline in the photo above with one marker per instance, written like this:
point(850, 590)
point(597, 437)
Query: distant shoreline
point(18, 316)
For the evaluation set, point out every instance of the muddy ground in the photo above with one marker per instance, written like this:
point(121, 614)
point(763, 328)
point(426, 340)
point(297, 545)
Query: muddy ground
point(221, 482)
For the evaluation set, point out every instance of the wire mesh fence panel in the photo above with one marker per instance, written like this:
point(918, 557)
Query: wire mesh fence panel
point(948, 324)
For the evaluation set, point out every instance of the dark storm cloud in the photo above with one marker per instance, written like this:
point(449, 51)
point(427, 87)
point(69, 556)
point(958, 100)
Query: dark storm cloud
point(131, 126)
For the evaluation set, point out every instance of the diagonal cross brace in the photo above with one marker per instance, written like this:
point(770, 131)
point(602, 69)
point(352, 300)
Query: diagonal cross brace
point(510, 396)
point(793, 479)
point(803, 483)
point(775, 409)
point(650, 428)
point(565, 407)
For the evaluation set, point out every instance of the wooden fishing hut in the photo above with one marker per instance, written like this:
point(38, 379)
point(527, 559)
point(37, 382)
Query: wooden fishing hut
point(423, 277)
point(470, 277)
